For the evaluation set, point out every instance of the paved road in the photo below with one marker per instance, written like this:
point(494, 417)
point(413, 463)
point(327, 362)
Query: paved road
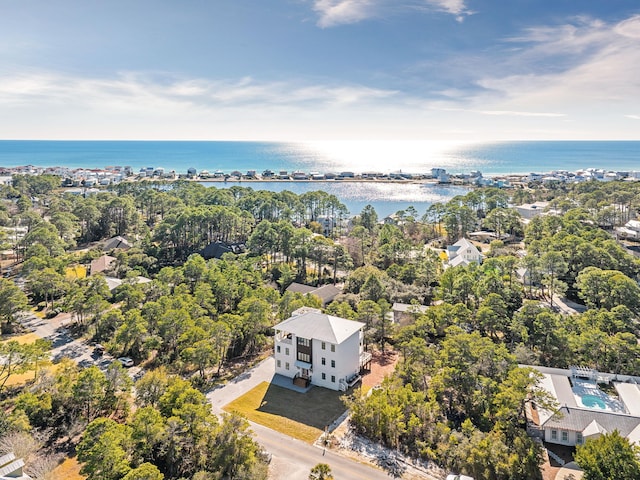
point(292, 458)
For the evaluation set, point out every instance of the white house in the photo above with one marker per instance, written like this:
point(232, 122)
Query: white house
point(630, 230)
point(313, 348)
point(463, 252)
point(585, 411)
point(530, 210)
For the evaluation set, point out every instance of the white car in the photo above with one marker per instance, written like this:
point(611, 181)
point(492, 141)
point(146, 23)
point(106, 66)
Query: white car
point(126, 361)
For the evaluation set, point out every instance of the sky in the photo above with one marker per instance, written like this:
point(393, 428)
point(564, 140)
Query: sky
point(320, 70)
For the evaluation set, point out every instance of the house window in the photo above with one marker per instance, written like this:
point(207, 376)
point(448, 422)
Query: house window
point(286, 366)
point(286, 351)
point(304, 357)
point(304, 341)
point(579, 439)
point(278, 349)
point(324, 376)
point(333, 364)
point(324, 345)
point(278, 363)
point(333, 379)
point(554, 434)
point(333, 348)
point(324, 361)
point(565, 436)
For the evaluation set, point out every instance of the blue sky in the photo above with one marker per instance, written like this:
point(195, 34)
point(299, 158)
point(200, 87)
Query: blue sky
point(445, 70)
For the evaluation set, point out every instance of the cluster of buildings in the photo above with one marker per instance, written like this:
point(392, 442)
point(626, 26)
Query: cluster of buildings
point(585, 175)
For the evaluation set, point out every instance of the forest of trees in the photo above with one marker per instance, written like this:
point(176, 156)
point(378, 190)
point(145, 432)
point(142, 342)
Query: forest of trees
point(457, 396)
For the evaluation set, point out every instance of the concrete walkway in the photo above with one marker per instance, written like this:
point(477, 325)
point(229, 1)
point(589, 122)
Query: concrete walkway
point(223, 394)
point(571, 471)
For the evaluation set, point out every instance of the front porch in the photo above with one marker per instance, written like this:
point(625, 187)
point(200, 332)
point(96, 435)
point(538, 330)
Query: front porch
point(290, 383)
point(302, 381)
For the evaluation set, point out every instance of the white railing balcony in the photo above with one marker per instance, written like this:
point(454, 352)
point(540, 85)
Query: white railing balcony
point(365, 357)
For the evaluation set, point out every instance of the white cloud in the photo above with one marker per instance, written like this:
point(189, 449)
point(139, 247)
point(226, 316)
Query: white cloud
point(133, 91)
point(454, 7)
point(341, 12)
point(520, 114)
point(588, 66)
point(633, 117)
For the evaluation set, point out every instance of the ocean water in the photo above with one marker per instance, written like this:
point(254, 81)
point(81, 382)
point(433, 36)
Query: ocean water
point(409, 156)
point(378, 156)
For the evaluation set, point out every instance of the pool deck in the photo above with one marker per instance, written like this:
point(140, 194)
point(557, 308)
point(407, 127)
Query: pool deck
point(588, 388)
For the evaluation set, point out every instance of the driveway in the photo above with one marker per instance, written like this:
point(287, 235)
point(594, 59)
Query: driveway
point(263, 372)
point(64, 345)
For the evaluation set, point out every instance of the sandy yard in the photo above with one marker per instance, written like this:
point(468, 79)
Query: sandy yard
point(382, 364)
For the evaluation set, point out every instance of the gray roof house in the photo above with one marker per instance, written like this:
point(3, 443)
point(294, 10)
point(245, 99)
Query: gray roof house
point(585, 411)
point(326, 293)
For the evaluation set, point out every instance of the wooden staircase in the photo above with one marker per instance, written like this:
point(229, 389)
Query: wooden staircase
point(301, 382)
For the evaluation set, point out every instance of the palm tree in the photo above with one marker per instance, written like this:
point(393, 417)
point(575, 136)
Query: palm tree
point(321, 471)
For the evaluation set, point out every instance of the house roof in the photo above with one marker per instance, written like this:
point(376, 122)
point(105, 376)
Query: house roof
point(11, 467)
point(101, 264)
point(116, 242)
point(300, 288)
point(458, 260)
point(629, 393)
point(326, 292)
point(408, 308)
point(462, 243)
point(114, 283)
point(320, 326)
point(582, 420)
point(217, 249)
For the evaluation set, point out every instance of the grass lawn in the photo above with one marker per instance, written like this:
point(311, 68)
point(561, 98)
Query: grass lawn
point(69, 470)
point(23, 339)
point(299, 415)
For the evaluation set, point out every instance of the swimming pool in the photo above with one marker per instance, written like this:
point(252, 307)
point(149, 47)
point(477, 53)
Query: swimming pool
point(591, 401)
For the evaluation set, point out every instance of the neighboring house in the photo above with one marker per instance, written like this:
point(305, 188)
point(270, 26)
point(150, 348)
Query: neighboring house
point(116, 242)
point(463, 252)
point(114, 283)
point(217, 249)
point(530, 210)
point(102, 264)
point(523, 275)
point(328, 225)
point(326, 293)
point(313, 348)
point(585, 410)
point(11, 468)
point(406, 313)
point(630, 230)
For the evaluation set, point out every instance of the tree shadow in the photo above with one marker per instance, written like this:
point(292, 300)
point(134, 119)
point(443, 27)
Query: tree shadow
point(317, 408)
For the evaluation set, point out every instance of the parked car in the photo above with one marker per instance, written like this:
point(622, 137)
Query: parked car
point(98, 349)
point(126, 361)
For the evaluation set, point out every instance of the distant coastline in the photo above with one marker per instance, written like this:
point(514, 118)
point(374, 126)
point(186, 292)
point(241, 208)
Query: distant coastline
point(491, 158)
